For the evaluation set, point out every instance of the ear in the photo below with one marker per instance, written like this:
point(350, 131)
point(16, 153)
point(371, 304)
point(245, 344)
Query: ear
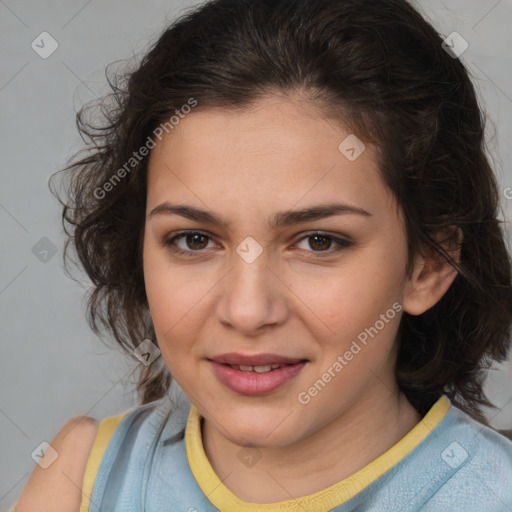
point(432, 275)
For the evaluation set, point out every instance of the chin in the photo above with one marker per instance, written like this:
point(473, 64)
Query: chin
point(258, 431)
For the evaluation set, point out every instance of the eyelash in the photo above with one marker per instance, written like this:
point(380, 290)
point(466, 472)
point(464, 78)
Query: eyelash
point(342, 244)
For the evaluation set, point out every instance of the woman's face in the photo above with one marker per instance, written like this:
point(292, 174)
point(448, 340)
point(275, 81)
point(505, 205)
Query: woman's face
point(254, 281)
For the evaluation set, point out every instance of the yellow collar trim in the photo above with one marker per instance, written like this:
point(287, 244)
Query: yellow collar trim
point(223, 499)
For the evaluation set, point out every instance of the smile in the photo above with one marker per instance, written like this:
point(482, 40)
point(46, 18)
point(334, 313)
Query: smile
point(255, 379)
point(257, 369)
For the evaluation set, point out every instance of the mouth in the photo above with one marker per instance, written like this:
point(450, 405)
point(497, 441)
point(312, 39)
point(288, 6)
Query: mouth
point(255, 360)
point(255, 375)
point(257, 369)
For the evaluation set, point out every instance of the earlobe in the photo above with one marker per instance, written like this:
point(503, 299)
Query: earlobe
point(432, 277)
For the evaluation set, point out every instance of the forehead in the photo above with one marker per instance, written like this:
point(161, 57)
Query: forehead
point(279, 151)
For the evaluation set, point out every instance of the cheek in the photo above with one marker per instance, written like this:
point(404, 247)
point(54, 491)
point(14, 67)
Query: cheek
point(346, 300)
point(175, 299)
point(166, 289)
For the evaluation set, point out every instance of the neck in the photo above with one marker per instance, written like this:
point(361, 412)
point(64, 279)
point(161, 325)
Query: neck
point(365, 430)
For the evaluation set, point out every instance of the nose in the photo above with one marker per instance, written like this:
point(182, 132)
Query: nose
point(253, 297)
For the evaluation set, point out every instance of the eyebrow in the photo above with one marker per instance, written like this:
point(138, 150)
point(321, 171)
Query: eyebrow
point(280, 219)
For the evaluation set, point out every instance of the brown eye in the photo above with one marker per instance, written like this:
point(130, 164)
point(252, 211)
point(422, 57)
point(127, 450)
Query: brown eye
point(320, 242)
point(194, 241)
point(323, 242)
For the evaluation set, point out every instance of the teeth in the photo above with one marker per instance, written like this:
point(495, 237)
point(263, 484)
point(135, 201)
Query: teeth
point(258, 369)
point(262, 369)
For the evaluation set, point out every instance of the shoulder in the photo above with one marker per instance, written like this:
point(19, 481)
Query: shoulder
point(492, 462)
point(56, 485)
point(125, 453)
point(488, 447)
point(481, 459)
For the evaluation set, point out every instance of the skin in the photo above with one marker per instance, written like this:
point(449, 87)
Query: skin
point(245, 166)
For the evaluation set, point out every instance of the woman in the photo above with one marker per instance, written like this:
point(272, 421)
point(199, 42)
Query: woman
point(288, 209)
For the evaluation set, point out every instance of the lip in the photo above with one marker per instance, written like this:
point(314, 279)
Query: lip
point(252, 383)
point(255, 359)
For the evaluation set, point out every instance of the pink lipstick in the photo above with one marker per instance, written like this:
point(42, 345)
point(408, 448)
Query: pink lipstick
point(256, 374)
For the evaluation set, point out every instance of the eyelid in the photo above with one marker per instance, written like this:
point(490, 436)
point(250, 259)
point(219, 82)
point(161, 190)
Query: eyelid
point(168, 241)
point(342, 243)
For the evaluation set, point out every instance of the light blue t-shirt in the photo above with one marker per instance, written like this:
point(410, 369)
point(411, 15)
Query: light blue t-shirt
point(460, 465)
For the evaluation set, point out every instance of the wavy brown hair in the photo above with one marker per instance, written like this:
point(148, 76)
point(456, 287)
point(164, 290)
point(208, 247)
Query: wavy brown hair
point(378, 67)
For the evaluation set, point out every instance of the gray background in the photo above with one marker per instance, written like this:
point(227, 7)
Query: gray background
point(52, 366)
